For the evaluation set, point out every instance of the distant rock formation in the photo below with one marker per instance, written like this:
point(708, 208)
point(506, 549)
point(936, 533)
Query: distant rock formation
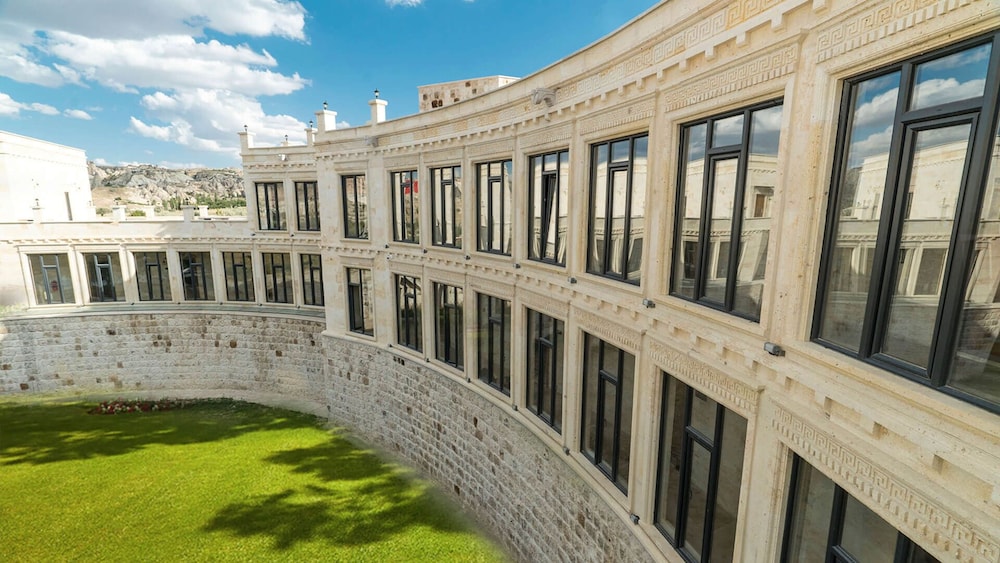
point(145, 184)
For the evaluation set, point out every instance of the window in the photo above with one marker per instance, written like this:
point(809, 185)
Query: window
point(545, 368)
point(493, 339)
point(493, 206)
point(104, 272)
point(239, 275)
point(359, 301)
point(449, 304)
point(917, 165)
point(699, 473)
point(355, 206)
point(312, 279)
point(548, 207)
point(405, 207)
point(824, 523)
point(408, 312)
point(151, 276)
point(618, 206)
point(271, 206)
point(446, 206)
point(277, 277)
point(50, 274)
point(196, 276)
point(723, 221)
point(606, 433)
point(307, 201)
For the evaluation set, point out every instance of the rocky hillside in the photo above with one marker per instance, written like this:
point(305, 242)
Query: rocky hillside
point(145, 184)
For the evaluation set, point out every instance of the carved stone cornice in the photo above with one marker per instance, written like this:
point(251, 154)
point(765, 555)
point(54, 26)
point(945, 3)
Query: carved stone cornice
point(626, 338)
point(731, 392)
point(914, 513)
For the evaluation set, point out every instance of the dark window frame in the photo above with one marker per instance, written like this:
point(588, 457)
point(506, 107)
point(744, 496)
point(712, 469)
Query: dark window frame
point(441, 188)
point(270, 197)
point(405, 195)
point(981, 114)
point(307, 205)
point(705, 267)
point(239, 275)
point(604, 243)
point(197, 280)
point(53, 286)
point(356, 222)
point(486, 186)
point(905, 550)
point(409, 325)
point(154, 272)
point(692, 437)
point(544, 373)
point(359, 301)
point(277, 277)
point(449, 328)
point(599, 410)
point(550, 199)
point(494, 341)
point(107, 277)
point(312, 279)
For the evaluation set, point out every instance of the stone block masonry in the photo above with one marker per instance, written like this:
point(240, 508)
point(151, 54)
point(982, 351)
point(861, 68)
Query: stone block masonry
point(192, 353)
point(522, 491)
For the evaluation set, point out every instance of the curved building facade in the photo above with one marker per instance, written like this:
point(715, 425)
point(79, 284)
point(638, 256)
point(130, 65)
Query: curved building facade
point(720, 286)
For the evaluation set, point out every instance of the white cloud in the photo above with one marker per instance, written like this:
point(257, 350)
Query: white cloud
point(407, 3)
point(343, 125)
point(208, 119)
point(11, 107)
point(180, 165)
point(78, 114)
point(172, 61)
point(100, 162)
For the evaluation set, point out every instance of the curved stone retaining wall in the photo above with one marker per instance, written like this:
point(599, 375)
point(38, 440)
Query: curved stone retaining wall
point(521, 490)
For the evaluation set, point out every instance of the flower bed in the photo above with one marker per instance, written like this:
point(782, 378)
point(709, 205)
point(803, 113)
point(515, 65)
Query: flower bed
point(119, 406)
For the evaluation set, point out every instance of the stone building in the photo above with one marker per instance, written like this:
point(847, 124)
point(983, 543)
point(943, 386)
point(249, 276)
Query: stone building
point(720, 286)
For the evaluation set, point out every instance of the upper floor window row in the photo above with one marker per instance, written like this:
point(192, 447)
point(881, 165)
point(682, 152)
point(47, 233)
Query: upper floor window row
point(271, 206)
point(493, 202)
point(725, 184)
point(446, 206)
point(909, 249)
point(405, 207)
point(618, 172)
point(548, 207)
point(355, 205)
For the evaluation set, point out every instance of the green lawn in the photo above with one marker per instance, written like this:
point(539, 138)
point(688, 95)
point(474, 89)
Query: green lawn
point(212, 481)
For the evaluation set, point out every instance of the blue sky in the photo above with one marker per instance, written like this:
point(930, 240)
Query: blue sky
point(170, 82)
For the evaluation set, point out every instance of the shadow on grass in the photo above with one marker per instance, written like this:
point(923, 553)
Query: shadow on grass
point(52, 432)
point(361, 500)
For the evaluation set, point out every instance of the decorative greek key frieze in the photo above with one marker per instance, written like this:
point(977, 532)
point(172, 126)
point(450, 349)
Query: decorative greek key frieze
point(449, 156)
point(719, 82)
point(882, 19)
point(547, 136)
point(740, 12)
point(544, 304)
point(503, 147)
point(731, 392)
point(915, 514)
point(625, 338)
point(620, 116)
point(408, 162)
point(491, 287)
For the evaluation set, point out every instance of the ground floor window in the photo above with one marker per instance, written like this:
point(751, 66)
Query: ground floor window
point(449, 306)
point(408, 309)
point(606, 434)
point(277, 277)
point(51, 278)
point(312, 279)
point(196, 276)
point(493, 341)
point(545, 368)
point(824, 523)
point(699, 474)
point(151, 276)
point(104, 272)
point(359, 301)
point(239, 276)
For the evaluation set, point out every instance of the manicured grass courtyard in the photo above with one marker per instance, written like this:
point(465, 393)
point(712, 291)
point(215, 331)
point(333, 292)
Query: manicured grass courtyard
point(212, 481)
